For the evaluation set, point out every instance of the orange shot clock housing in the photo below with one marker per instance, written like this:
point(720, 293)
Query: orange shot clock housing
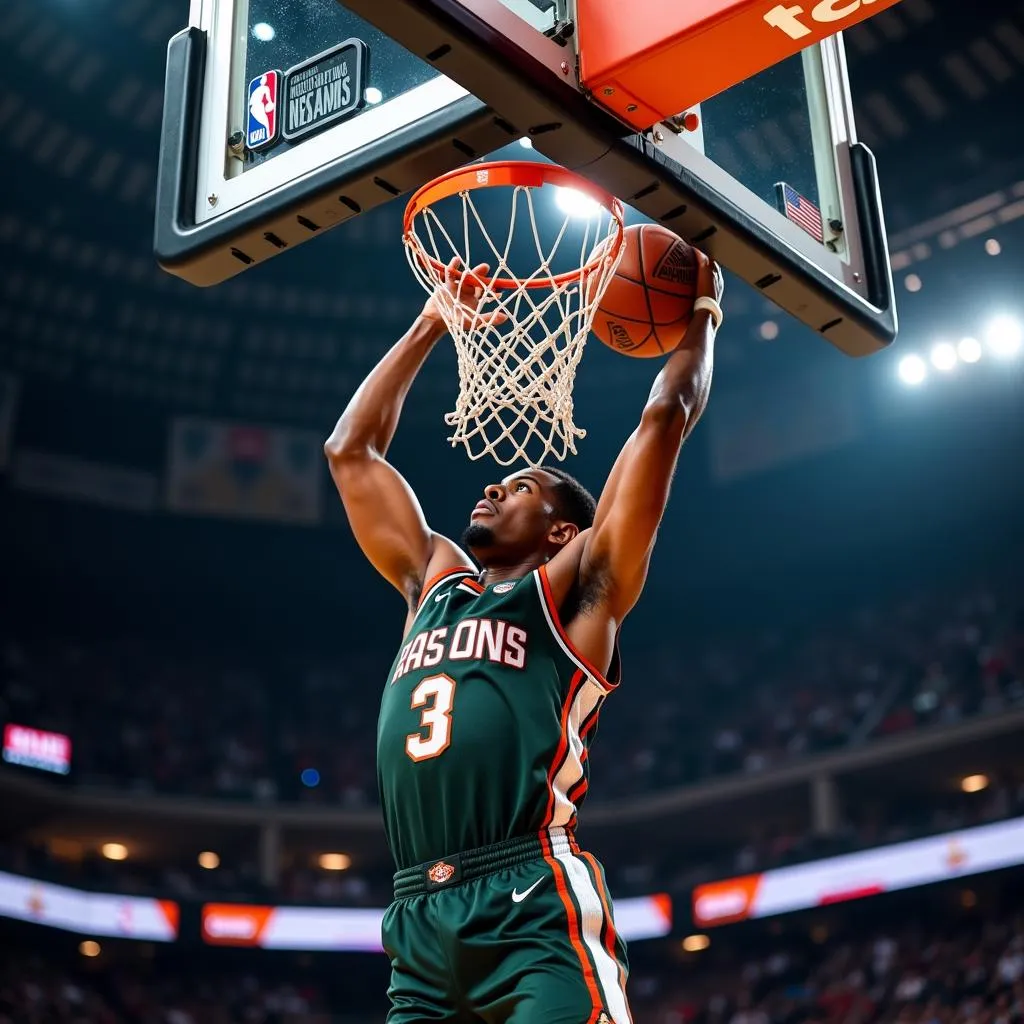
point(648, 60)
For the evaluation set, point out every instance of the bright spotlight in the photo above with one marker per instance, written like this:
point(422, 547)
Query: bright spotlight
point(526, 142)
point(943, 356)
point(1004, 336)
point(969, 349)
point(769, 330)
point(373, 95)
point(912, 370)
point(992, 247)
point(335, 861)
point(263, 32)
point(974, 783)
point(114, 851)
point(696, 943)
point(575, 203)
point(912, 283)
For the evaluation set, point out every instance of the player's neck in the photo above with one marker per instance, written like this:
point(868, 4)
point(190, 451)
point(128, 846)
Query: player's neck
point(500, 573)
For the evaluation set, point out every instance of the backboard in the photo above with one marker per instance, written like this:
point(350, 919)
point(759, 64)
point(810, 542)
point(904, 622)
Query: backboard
point(284, 118)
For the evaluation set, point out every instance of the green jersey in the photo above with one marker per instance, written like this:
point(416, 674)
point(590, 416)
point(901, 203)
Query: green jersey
point(486, 719)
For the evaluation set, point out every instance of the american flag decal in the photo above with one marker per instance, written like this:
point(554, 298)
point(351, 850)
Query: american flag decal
point(800, 211)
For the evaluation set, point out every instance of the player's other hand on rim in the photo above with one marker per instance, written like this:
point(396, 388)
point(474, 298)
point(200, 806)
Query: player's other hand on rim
point(710, 281)
point(462, 290)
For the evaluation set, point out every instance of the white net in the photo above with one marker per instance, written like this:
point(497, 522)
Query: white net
point(516, 377)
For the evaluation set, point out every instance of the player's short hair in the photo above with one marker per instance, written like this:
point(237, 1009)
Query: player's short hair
point(572, 500)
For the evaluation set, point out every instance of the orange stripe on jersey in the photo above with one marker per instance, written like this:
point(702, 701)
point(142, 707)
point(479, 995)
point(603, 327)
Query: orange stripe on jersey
point(562, 750)
point(610, 935)
point(577, 791)
point(434, 580)
point(475, 585)
point(549, 599)
point(575, 929)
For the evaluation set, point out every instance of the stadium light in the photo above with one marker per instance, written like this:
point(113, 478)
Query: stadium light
point(696, 943)
point(209, 860)
point(335, 861)
point(912, 370)
point(943, 356)
point(974, 783)
point(373, 95)
point(89, 948)
point(575, 203)
point(1004, 335)
point(969, 349)
point(263, 32)
point(114, 851)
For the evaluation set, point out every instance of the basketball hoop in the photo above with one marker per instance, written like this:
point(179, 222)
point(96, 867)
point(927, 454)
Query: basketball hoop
point(515, 378)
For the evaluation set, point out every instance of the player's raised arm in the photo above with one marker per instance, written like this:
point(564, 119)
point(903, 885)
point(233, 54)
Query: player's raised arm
point(618, 548)
point(382, 509)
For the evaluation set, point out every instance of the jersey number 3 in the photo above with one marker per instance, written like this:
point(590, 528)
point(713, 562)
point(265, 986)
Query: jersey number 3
point(435, 695)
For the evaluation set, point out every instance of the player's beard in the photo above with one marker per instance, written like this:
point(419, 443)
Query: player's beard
point(476, 535)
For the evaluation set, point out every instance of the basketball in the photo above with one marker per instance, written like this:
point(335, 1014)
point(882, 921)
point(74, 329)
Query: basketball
point(649, 301)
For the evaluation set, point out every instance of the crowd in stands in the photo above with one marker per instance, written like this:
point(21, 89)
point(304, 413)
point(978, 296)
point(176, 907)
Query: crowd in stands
point(34, 990)
point(754, 703)
point(217, 727)
point(962, 971)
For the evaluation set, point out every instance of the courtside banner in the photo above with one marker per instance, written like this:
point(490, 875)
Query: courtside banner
point(857, 875)
point(88, 913)
point(244, 471)
point(327, 928)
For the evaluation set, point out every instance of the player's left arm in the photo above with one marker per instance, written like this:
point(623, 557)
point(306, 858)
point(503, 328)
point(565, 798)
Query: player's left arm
point(617, 549)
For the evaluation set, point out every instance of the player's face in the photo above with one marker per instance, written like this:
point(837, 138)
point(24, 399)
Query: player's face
point(514, 515)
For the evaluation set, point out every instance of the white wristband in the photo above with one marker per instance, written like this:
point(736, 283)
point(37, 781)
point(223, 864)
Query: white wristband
point(708, 304)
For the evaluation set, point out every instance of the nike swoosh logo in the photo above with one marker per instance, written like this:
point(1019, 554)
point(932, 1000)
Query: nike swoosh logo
point(518, 897)
point(441, 597)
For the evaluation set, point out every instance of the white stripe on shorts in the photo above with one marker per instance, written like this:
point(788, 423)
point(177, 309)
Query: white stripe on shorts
point(592, 914)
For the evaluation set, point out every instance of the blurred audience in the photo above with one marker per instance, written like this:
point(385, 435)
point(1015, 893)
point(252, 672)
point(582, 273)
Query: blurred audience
point(33, 991)
point(963, 972)
point(963, 975)
point(284, 729)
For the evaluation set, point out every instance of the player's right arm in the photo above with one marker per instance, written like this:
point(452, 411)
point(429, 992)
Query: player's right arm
point(383, 511)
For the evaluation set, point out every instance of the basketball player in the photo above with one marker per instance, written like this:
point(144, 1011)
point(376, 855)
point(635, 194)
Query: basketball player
point(490, 705)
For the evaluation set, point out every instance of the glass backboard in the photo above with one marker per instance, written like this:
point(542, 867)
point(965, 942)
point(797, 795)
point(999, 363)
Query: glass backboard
point(284, 118)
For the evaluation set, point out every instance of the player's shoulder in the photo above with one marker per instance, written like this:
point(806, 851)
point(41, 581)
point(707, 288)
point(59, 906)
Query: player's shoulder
point(447, 560)
point(445, 557)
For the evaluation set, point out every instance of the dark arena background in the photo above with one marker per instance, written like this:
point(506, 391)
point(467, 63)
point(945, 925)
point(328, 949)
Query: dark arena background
point(809, 793)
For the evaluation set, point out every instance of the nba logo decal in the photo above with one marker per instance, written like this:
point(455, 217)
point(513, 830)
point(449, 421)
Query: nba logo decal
point(264, 122)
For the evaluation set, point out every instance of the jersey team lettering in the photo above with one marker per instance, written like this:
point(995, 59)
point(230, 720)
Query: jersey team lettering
point(492, 640)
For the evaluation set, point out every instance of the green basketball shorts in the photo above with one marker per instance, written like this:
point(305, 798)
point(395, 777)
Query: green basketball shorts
point(516, 933)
